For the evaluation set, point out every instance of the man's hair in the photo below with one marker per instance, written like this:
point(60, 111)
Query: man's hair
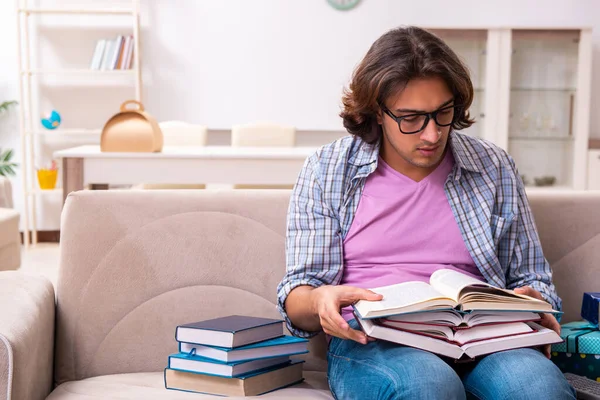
point(394, 59)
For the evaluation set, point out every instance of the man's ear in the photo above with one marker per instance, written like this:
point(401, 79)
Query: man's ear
point(380, 117)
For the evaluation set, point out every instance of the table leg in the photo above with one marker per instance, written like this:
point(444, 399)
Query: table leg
point(72, 176)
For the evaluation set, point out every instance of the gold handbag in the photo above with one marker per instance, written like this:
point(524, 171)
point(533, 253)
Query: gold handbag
point(131, 130)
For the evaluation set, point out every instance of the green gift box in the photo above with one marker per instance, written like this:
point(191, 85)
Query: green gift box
point(579, 353)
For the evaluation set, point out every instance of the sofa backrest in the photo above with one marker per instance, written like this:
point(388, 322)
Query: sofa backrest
point(6, 195)
point(569, 228)
point(135, 264)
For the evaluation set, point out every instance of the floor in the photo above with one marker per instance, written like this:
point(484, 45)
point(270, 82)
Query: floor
point(41, 259)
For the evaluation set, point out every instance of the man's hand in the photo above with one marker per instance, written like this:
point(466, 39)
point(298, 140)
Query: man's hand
point(548, 320)
point(327, 301)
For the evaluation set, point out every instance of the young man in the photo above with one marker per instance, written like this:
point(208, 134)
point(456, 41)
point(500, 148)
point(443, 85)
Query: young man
point(402, 196)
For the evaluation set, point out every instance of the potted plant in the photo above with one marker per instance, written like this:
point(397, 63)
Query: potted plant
point(7, 166)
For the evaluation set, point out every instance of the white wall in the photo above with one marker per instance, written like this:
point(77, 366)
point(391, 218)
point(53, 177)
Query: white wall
point(219, 62)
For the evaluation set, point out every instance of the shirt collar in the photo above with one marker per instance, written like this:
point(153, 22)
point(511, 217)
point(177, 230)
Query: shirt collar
point(464, 157)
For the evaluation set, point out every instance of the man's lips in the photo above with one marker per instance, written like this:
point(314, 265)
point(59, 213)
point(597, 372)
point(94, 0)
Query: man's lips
point(428, 148)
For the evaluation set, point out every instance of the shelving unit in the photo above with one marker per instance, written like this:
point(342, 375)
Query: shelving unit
point(549, 99)
point(472, 46)
point(531, 96)
point(30, 128)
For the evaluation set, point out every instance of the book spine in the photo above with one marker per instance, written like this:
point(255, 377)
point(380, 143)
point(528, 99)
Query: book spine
point(95, 64)
point(130, 54)
point(124, 53)
point(107, 54)
point(116, 52)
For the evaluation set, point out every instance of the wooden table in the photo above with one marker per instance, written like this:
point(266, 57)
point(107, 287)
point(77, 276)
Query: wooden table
point(86, 165)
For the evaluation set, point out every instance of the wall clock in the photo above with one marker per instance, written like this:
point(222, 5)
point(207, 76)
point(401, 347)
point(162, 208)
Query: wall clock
point(343, 5)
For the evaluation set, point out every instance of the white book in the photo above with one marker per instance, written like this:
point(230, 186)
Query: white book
point(279, 346)
point(184, 362)
point(462, 336)
point(116, 52)
point(97, 57)
point(107, 55)
point(463, 320)
point(447, 289)
point(537, 337)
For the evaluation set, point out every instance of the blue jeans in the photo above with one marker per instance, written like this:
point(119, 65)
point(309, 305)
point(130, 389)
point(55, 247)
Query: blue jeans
point(382, 370)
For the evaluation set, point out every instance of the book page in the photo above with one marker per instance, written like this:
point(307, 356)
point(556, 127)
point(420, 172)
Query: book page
point(450, 283)
point(491, 331)
point(539, 336)
point(398, 296)
point(445, 317)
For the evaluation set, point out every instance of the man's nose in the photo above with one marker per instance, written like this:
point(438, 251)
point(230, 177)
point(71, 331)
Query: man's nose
point(430, 133)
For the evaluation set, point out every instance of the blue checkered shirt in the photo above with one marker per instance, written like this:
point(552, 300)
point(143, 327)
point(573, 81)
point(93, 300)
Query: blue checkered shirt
point(485, 193)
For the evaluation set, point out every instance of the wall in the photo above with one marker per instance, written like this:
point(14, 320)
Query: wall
point(220, 62)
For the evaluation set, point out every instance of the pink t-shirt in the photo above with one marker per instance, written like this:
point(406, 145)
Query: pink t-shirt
point(403, 231)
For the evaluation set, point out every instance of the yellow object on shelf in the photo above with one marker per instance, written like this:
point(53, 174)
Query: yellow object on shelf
point(47, 178)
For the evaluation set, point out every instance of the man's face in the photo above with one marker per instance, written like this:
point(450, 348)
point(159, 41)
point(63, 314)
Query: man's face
point(425, 148)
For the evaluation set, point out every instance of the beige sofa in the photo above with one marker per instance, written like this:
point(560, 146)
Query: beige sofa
point(10, 238)
point(136, 264)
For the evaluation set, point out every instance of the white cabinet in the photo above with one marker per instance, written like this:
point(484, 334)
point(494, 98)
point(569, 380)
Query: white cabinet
point(471, 45)
point(549, 103)
point(593, 170)
point(532, 97)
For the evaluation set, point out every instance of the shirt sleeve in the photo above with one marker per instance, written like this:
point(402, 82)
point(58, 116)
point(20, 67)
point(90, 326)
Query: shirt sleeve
point(528, 266)
point(314, 253)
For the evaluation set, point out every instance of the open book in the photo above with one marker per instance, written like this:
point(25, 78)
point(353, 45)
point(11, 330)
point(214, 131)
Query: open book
point(463, 319)
point(447, 289)
point(536, 337)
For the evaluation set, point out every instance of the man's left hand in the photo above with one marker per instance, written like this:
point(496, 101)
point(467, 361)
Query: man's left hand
point(548, 320)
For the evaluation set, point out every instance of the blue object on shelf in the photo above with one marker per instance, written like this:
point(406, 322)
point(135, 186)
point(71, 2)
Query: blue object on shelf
point(51, 121)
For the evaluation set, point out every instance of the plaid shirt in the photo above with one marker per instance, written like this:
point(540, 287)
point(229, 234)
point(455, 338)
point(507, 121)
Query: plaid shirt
point(485, 193)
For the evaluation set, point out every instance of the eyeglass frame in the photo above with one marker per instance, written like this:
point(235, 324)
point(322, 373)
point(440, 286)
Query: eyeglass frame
point(428, 117)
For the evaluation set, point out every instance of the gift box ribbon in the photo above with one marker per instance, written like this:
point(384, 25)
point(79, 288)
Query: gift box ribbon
point(576, 333)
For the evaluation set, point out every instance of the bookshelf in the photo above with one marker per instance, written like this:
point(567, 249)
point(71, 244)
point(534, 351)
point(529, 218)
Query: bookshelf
point(30, 73)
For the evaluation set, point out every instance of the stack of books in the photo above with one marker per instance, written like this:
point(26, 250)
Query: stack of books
point(234, 356)
point(456, 316)
point(113, 54)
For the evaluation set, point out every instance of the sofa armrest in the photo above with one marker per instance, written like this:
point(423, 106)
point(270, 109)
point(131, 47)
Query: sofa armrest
point(26, 336)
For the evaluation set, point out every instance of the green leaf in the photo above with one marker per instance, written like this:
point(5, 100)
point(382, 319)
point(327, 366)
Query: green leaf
point(6, 105)
point(7, 168)
point(6, 155)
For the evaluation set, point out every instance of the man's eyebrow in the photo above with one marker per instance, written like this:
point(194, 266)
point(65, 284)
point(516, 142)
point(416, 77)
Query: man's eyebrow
point(406, 110)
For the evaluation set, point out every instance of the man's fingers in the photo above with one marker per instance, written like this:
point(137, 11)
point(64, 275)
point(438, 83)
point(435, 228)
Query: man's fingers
point(550, 322)
point(529, 291)
point(365, 294)
point(546, 351)
point(333, 324)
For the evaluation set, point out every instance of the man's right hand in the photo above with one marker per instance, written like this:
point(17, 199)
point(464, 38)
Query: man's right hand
point(327, 301)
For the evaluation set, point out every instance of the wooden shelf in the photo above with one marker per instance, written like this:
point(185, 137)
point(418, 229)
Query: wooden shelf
point(42, 192)
point(65, 132)
point(78, 11)
point(36, 74)
point(82, 71)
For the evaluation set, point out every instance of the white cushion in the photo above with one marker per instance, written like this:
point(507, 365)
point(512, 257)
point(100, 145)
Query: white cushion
point(150, 385)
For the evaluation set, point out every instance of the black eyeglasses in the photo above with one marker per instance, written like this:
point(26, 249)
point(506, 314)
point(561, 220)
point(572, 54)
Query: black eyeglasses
point(414, 123)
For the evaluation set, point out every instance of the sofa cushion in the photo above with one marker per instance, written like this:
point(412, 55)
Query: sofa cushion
point(151, 385)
